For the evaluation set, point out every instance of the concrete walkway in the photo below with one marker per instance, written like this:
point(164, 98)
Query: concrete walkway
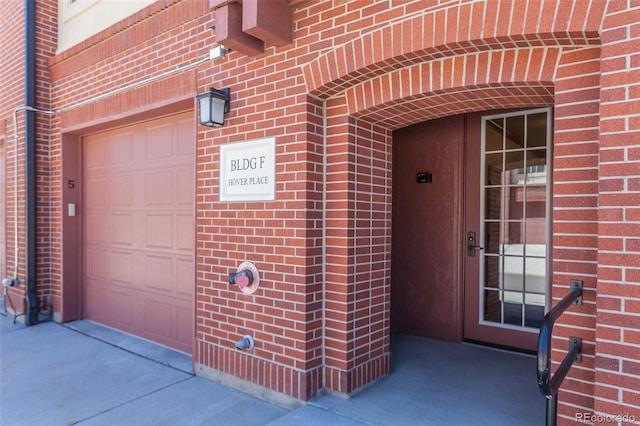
point(86, 374)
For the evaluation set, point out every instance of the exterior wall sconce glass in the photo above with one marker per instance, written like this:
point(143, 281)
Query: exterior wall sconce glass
point(213, 105)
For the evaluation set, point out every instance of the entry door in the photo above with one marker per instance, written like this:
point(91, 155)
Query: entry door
point(426, 278)
point(507, 231)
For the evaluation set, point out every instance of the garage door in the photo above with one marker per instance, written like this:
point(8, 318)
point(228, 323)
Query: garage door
point(139, 229)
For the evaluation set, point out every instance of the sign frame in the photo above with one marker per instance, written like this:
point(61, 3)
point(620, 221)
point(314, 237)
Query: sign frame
point(248, 170)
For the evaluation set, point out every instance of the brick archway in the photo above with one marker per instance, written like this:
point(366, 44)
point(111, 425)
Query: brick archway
point(429, 34)
point(369, 92)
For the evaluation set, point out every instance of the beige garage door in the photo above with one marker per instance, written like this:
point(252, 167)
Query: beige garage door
point(139, 229)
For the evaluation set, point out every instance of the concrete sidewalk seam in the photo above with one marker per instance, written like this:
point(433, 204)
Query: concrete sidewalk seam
point(337, 413)
point(131, 400)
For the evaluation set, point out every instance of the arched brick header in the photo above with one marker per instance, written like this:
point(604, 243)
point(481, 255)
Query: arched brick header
point(501, 79)
point(458, 30)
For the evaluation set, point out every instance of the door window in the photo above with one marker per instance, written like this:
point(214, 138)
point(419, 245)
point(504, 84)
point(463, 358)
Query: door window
point(514, 191)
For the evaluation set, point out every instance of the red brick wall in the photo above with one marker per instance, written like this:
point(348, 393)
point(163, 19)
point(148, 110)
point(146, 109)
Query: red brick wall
point(12, 80)
point(48, 235)
point(575, 211)
point(358, 246)
point(368, 68)
point(617, 388)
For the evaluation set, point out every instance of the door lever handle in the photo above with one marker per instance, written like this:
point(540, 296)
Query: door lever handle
point(471, 244)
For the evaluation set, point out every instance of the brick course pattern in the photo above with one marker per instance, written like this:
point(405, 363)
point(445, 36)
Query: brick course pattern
point(355, 72)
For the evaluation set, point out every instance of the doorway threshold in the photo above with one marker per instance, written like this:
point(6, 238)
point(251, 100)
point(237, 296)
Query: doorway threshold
point(500, 348)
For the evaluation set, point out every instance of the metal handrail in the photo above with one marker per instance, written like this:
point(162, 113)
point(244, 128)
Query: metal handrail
point(547, 383)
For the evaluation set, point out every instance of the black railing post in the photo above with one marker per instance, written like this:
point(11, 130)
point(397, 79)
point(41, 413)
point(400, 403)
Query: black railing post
point(547, 384)
point(552, 411)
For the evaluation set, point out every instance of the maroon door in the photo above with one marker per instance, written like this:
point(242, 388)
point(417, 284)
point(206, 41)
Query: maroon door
point(469, 242)
point(426, 261)
point(506, 227)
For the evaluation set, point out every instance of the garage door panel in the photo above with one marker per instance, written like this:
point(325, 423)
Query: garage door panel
point(119, 305)
point(159, 273)
point(96, 263)
point(96, 228)
point(96, 153)
point(160, 142)
point(109, 305)
point(121, 191)
point(159, 231)
point(184, 317)
point(158, 316)
point(96, 192)
point(120, 148)
point(185, 236)
point(92, 305)
point(121, 267)
point(159, 188)
point(185, 275)
point(139, 249)
point(185, 149)
point(121, 229)
point(187, 187)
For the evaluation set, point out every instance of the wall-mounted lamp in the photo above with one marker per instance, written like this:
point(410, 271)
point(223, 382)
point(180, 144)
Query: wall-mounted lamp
point(213, 105)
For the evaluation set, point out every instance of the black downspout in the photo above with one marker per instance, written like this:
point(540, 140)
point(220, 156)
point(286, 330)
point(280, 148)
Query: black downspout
point(30, 161)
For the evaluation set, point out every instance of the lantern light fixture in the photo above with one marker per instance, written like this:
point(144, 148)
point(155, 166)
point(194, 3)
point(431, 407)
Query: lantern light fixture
point(213, 105)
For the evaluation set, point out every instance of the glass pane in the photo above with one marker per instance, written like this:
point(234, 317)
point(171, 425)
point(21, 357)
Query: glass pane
point(534, 299)
point(535, 232)
point(492, 237)
point(513, 273)
point(492, 271)
point(514, 234)
point(493, 135)
point(536, 201)
point(535, 275)
point(536, 250)
point(514, 203)
point(217, 110)
point(537, 129)
point(517, 176)
point(535, 159)
point(533, 315)
point(493, 203)
point(514, 135)
point(205, 110)
point(492, 306)
point(493, 169)
point(515, 161)
point(513, 308)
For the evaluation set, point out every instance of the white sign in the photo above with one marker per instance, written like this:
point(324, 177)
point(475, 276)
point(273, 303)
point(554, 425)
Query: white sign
point(248, 170)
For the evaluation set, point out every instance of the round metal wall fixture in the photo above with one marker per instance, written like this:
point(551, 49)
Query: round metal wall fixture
point(251, 288)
